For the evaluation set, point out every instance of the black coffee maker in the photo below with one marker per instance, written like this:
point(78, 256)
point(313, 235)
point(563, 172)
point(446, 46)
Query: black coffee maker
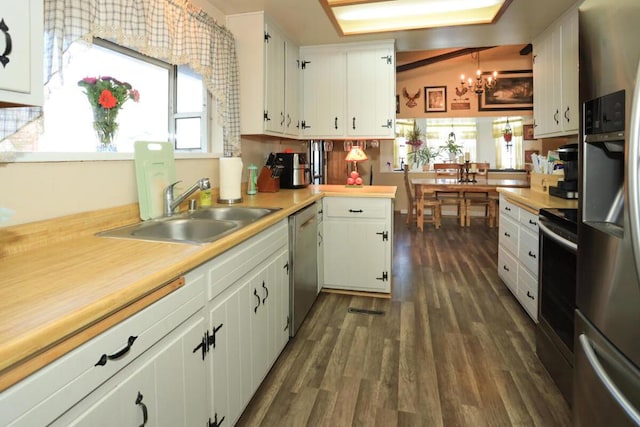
point(567, 189)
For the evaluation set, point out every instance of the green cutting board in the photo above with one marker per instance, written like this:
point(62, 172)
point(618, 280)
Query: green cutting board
point(155, 169)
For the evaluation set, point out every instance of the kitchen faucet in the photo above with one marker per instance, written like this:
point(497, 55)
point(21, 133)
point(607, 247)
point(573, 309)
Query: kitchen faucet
point(171, 204)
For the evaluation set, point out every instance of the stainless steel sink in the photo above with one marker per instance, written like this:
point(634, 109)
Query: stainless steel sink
point(198, 227)
point(242, 214)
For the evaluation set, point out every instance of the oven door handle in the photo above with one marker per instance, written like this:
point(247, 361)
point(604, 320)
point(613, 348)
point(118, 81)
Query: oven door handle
point(558, 239)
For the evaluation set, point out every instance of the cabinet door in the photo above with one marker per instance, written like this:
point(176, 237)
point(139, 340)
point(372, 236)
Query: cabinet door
point(292, 89)
point(370, 93)
point(21, 72)
point(356, 256)
point(274, 80)
point(280, 310)
point(570, 59)
point(228, 341)
point(541, 84)
point(324, 88)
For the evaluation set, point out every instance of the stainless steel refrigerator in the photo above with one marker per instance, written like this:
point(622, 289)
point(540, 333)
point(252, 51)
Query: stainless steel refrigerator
point(607, 331)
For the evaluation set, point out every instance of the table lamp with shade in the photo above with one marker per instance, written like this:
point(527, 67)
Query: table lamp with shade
point(356, 154)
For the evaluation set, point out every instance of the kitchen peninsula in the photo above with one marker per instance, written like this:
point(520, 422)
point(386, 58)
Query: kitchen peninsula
point(57, 298)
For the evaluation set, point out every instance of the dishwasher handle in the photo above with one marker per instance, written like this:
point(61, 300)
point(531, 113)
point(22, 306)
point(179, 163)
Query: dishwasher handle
point(307, 223)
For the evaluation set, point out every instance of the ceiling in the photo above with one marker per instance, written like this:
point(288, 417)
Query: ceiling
point(306, 22)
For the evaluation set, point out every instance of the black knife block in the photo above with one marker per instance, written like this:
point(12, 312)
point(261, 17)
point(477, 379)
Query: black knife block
point(266, 183)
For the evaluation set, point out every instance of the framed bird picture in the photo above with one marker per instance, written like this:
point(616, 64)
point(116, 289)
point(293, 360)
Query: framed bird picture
point(435, 99)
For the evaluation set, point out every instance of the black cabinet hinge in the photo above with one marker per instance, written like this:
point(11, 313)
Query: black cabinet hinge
point(267, 37)
point(208, 341)
point(385, 276)
point(303, 64)
point(215, 422)
point(304, 125)
point(384, 234)
point(266, 116)
point(388, 58)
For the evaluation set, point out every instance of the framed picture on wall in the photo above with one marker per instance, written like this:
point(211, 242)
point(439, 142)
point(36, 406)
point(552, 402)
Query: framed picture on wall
point(513, 91)
point(435, 99)
point(527, 131)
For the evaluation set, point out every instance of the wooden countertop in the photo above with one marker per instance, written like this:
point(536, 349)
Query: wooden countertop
point(536, 199)
point(51, 293)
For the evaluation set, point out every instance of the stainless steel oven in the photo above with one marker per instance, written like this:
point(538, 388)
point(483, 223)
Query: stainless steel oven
point(557, 290)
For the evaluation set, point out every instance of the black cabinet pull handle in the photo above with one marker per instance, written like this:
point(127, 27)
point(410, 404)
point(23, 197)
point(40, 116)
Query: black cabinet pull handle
point(255, 293)
point(530, 296)
point(4, 58)
point(566, 115)
point(507, 208)
point(532, 222)
point(281, 118)
point(125, 350)
point(532, 255)
point(266, 291)
point(353, 124)
point(335, 123)
point(507, 234)
point(505, 268)
point(555, 117)
point(145, 415)
point(118, 354)
point(356, 210)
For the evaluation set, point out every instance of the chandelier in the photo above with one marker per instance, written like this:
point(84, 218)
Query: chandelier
point(480, 84)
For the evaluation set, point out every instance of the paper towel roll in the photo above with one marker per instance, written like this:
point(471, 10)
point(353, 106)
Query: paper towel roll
point(230, 180)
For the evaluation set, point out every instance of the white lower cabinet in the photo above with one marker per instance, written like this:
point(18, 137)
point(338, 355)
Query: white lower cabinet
point(248, 320)
point(195, 357)
point(518, 254)
point(357, 243)
point(163, 388)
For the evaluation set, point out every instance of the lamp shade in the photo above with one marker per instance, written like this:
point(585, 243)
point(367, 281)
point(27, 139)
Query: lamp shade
point(356, 155)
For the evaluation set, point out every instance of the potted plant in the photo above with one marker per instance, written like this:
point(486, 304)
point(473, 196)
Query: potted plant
point(451, 147)
point(424, 155)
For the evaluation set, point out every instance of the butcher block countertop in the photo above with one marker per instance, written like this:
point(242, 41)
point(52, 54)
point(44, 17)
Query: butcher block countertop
point(536, 200)
point(58, 294)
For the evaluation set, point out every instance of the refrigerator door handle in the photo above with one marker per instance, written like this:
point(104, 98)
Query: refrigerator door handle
point(592, 358)
point(632, 174)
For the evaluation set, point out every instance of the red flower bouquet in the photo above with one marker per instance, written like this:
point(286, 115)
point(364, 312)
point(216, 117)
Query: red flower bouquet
point(106, 96)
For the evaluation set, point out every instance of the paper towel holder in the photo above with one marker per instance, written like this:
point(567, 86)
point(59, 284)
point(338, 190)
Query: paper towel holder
point(229, 201)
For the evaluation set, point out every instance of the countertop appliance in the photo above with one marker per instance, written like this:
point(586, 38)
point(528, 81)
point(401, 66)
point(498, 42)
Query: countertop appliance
point(607, 329)
point(303, 264)
point(568, 187)
point(557, 290)
point(295, 172)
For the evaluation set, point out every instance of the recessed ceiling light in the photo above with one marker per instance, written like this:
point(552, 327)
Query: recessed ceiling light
point(374, 16)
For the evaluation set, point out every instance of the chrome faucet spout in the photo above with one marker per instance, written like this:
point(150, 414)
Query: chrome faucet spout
point(171, 204)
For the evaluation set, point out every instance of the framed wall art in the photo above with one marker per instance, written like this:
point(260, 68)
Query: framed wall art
point(527, 131)
point(513, 91)
point(435, 99)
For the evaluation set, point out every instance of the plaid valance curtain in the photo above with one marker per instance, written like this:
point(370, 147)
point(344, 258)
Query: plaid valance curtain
point(171, 30)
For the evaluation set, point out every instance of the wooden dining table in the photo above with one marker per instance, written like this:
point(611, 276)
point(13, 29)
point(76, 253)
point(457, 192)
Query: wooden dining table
point(424, 186)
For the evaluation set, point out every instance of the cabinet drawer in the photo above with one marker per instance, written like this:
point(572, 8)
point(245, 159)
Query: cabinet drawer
point(528, 250)
point(529, 220)
point(508, 208)
point(508, 237)
point(508, 269)
point(227, 268)
point(356, 207)
point(47, 393)
point(528, 292)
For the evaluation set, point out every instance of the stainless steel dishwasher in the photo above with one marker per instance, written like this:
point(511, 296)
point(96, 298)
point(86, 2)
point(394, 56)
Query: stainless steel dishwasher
point(303, 277)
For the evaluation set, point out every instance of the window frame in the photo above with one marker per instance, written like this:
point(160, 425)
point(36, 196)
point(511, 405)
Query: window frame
point(211, 144)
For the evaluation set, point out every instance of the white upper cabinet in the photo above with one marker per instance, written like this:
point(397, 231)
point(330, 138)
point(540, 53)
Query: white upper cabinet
point(21, 52)
point(269, 76)
point(348, 90)
point(555, 73)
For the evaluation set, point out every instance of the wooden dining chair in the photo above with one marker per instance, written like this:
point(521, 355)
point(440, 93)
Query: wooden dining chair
point(484, 200)
point(451, 198)
point(427, 202)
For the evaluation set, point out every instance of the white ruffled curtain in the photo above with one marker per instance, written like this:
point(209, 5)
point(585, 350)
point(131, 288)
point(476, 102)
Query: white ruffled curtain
point(171, 30)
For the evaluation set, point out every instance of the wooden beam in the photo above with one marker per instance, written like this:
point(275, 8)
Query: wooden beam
point(440, 58)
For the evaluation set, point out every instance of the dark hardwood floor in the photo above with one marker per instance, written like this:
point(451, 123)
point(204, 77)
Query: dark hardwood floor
point(453, 348)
